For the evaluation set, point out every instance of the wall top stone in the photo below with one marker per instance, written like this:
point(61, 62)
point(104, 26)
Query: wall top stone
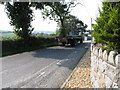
point(117, 60)
point(100, 52)
point(111, 57)
point(105, 55)
point(92, 45)
point(96, 51)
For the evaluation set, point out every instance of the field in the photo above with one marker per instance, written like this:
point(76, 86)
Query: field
point(6, 34)
point(12, 45)
point(11, 35)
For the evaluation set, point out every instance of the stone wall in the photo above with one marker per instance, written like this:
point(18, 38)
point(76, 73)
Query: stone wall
point(105, 68)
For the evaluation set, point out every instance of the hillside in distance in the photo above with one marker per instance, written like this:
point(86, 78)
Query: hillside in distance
point(7, 34)
point(43, 31)
point(10, 34)
point(35, 31)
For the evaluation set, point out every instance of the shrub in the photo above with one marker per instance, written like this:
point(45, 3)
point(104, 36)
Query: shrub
point(107, 29)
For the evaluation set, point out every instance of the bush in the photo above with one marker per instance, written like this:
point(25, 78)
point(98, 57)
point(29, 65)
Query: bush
point(107, 29)
point(12, 46)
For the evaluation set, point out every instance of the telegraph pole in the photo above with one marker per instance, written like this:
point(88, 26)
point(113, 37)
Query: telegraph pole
point(91, 23)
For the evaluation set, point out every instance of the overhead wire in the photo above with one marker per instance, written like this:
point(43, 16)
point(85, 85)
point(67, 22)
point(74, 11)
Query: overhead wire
point(89, 15)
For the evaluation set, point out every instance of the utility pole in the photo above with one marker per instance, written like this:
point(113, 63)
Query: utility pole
point(91, 23)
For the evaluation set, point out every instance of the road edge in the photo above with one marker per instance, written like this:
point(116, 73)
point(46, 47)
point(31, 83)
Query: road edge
point(88, 47)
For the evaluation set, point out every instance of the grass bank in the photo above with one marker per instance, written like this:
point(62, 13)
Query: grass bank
point(15, 46)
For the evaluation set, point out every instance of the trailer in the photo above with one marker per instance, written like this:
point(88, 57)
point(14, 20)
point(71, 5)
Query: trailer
point(72, 38)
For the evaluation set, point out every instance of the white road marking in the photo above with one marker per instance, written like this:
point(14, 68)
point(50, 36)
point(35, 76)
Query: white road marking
point(34, 74)
point(42, 73)
point(60, 62)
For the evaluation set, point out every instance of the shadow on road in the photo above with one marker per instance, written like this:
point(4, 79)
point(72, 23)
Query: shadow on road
point(58, 52)
point(66, 54)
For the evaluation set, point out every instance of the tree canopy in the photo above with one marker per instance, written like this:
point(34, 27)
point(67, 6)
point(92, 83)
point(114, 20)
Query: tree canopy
point(58, 11)
point(21, 16)
point(107, 29)
point(73, 23)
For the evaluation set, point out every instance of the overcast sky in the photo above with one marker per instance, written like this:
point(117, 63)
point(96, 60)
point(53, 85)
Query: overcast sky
point(86, 11)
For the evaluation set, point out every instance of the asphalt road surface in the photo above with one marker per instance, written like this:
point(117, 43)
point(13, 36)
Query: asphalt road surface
point(45, 68)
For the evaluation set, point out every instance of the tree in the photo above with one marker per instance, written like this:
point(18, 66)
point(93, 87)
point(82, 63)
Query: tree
point(73, 23)
point(21, 16)
point(107, 29)
point(57, 11)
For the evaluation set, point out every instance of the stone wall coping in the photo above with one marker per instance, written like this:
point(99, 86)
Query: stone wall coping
point(107, 64)
point(104, 54)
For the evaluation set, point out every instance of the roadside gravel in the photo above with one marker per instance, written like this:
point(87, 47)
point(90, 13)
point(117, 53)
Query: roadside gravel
point(80, 78)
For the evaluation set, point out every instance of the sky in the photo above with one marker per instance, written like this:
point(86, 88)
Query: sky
point(85, 11)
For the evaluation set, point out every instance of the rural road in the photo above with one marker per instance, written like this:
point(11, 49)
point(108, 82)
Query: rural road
point(45, 68)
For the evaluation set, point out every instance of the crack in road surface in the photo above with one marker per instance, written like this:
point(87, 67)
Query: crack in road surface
point(45, 68)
